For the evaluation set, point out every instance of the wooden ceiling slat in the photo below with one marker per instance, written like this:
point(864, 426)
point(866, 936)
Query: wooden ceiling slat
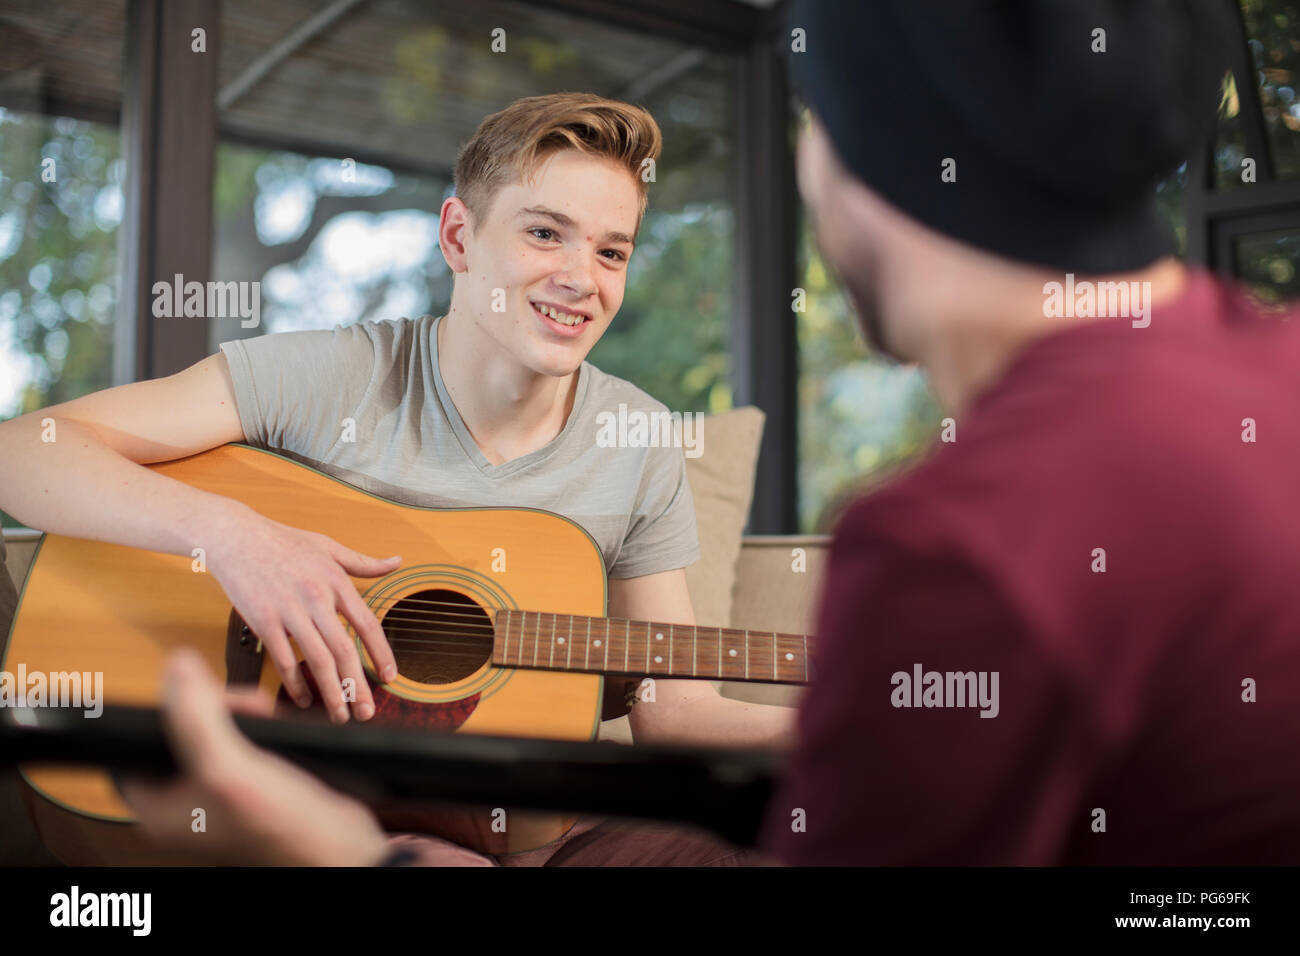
point(74, 46)
point(351, 88)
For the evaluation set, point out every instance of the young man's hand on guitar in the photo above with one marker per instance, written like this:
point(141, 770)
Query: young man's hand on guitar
point(290, 583)
point(257, 808)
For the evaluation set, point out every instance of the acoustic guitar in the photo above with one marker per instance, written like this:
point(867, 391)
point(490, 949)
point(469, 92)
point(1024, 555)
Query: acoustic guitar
point(496, 619)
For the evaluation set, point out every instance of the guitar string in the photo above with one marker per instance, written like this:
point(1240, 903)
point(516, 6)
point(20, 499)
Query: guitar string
point(479, 632)
point(461, 653)
point(484, 630)
point(457, 638)
point(488, 632)
point(408, 645)
point(450, 638)
point(491, 631)
point(509, 610)
point(475, 612)
point(481, 615)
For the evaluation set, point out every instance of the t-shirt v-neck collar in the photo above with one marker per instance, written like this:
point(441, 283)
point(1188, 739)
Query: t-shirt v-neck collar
point(467, 443)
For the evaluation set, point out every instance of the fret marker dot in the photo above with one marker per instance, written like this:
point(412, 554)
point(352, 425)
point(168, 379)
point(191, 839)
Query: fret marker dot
point(789, 657)
point(659, 637)
point(659, 660)
point(561, 640)
point(732, 652)
point(596, 643)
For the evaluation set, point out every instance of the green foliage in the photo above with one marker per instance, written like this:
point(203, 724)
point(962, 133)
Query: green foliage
point(1273, 27)
point(670, 335)
point(860, 417)
point(58, 258)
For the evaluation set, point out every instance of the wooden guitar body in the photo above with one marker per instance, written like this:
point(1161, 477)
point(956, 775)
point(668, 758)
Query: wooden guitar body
point(94, 607)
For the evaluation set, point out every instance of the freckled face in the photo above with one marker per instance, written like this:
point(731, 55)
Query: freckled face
point(557, 250)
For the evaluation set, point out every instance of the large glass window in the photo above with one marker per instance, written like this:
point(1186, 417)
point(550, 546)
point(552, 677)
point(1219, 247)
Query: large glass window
point(860, 416)
point(60, 207)
point(1230, 151)
point(1273, 28)
point(61, 202)
point(331, 242)
point(1269, 263)
point(1171, 195)
point(1260, 245)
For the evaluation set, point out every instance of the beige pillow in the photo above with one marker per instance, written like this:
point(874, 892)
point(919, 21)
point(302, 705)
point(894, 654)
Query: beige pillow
point(722, 484)
point(722, 487)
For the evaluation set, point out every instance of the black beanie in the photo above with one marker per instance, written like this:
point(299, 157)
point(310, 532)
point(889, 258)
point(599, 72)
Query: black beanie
point(1055, 148)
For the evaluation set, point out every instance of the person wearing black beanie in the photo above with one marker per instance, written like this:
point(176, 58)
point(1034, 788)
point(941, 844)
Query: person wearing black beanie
point(1053, 119)
point(1033, 132)
point(1067, 635)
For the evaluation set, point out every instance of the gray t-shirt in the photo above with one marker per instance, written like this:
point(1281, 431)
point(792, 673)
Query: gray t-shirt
point(296, 389)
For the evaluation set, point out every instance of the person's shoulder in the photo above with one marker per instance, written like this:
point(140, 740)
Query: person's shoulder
point(1092, 416)
point(395, 333)
point(388, 343)
point(304, 345)
point(606, 392)
point(629, 418)
point(914, 510)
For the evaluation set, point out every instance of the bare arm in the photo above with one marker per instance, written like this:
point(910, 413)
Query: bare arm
point(690, 711)
point(78, 469)
point(89, 480)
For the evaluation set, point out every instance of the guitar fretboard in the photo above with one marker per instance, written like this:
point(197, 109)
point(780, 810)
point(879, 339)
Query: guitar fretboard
point(571, 642)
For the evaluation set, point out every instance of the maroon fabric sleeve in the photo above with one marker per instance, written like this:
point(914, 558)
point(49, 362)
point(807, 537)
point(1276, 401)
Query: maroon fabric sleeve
point(880, 784)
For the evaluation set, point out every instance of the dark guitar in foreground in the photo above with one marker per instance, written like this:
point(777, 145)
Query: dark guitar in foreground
point(724, 791)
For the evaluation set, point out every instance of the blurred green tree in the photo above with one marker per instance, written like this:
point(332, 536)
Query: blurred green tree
point(60, 206)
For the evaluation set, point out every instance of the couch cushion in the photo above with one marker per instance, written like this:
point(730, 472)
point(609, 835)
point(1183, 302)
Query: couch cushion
point(778, 588)
point(722, 485)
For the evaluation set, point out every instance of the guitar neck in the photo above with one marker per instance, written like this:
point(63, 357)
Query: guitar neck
point(723, 790)
point(603, 645)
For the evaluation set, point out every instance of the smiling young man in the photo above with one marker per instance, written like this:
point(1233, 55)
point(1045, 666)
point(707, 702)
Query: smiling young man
point(491, 404)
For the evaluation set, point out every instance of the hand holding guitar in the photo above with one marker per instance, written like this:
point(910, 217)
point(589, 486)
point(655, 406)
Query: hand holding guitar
point(258, 808)
point(290, 583)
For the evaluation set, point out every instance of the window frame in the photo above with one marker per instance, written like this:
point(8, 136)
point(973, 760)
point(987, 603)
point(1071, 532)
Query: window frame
point(170, 129)
point(1215, 218)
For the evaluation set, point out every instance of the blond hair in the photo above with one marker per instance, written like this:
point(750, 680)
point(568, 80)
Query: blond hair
point(509, 146)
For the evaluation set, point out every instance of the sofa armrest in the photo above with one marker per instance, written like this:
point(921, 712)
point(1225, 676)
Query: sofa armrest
point(778, 587)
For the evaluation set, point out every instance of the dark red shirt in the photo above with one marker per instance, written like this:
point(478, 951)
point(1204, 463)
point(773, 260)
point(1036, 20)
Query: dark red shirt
point(1119, 692)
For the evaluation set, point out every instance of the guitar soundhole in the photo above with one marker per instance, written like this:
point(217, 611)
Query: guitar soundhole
point(438, 636)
